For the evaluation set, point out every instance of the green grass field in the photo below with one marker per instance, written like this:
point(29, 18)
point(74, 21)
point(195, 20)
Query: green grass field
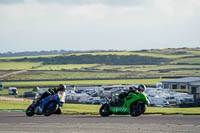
point(169, 56)
point(94, 109)
point(21, 57)
point(18, 65)
point(99, 71)
point(144, 68)
point(163, 53)
point(65, 67)
point(188, 61)
point(84, 82)
point(95, 71)
point(31, 75)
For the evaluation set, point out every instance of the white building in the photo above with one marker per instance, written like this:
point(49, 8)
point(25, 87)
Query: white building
point(192, 84)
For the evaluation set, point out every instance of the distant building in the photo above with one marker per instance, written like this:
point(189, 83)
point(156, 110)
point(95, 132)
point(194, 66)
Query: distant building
point(195, 89)
point(192, 84)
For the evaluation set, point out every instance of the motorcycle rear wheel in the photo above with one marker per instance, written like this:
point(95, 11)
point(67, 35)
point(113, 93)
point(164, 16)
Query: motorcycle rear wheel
point(30, 111)
point(137, 108)
point(104, 110)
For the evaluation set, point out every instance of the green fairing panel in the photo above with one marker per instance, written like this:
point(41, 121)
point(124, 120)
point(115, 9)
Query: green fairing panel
point(132, 97)
point(121, 109)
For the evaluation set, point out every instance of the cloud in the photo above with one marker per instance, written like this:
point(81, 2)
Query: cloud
point(68, 13)
point(178, 7)
point(11, 1)
point(107, 2)
point(78, 2)
point(110, 24)
point(129, 12)
point(165, 7)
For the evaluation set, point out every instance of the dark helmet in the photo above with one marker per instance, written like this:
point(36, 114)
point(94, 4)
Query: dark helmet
point(141, 88)
point(131, 88)
point(61, 87)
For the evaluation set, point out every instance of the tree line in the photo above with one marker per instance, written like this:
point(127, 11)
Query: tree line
point(50, 52)
point(98, 59)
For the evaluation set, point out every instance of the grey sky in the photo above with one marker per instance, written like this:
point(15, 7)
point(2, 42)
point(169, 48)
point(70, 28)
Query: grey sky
point(28, 25)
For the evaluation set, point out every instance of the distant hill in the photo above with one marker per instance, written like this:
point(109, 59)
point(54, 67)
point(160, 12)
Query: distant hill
point(76, 65)
point(33, 53)
point(179, 56)
point(38, 53)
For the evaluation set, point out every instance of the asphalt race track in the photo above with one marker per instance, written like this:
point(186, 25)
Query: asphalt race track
point(17, 122)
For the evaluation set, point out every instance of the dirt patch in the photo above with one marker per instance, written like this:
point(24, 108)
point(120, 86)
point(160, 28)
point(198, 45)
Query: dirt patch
point(3, 73)
point(11, 73)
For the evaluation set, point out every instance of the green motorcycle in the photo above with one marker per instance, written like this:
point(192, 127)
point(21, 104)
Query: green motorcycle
point(133, 104)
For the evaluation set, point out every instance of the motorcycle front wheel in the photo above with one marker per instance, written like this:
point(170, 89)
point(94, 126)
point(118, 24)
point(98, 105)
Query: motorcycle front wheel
point(104, 110)
point(30, 110)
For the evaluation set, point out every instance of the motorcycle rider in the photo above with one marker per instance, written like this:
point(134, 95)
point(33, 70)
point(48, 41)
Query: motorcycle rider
point(134, 89)
point(51, 91)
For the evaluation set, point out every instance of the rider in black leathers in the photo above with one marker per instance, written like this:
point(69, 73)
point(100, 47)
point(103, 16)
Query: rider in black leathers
point(132, 89)
point(51, 91)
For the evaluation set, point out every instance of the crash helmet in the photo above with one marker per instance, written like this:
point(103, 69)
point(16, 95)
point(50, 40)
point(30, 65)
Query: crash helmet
point(133, 87)
point(61, 87)
point(141, 88)
point(130, 88)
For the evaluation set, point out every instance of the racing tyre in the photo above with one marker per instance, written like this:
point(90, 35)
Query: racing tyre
point(137, 108)
point(30, 111)
point(104, 110)
point(50, 108)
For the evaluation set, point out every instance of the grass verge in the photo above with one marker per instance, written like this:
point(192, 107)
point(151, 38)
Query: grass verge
point(94, 109)
point(85, 82)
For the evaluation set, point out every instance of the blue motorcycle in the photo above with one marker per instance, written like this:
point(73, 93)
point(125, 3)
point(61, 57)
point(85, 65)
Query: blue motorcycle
point(50, 105)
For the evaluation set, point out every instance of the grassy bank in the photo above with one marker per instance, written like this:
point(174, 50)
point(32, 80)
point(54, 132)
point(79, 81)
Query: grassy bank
point(94, 109)
point(83, 71)
point(84, 82)
point(18, 65)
